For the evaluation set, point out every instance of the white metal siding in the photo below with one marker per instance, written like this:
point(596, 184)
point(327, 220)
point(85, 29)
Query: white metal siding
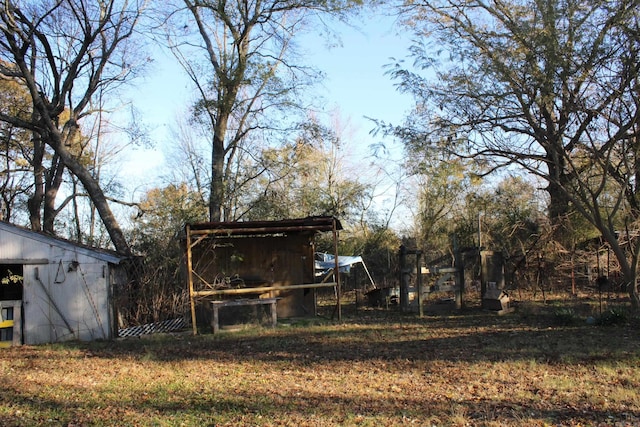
point(66, 289)
point(68, 305)
point(15, 246)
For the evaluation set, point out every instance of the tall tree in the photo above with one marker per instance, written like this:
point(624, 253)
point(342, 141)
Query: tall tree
point(248, 72)
point(46, 169)
point(63, 52)
point(550, 86)
point(510, 216)
point(444, 182)
point(15, 151)
point(310, 176)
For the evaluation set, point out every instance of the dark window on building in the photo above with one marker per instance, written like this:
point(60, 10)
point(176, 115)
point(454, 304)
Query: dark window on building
point(11, 279)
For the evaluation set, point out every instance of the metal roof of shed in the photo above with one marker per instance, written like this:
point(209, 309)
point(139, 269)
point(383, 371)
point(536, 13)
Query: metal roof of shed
point(98, 253)
point(309, 224)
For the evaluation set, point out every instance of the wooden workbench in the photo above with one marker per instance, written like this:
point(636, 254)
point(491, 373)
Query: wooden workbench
point(243, 302)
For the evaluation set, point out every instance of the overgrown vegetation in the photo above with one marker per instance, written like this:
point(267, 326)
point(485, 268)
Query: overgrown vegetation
point(378, 367)
point(496, 154)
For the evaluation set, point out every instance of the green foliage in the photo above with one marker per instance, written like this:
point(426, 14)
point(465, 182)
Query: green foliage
point(159, 290)
point(249, 82)
point(377, 244)
point(510, 215)
point(505, 215)
point(165, 211)
point(443, 187)
point(84, 49)
point(11, 278)
point(306, 177)
point(543, 86)
point(16, 152)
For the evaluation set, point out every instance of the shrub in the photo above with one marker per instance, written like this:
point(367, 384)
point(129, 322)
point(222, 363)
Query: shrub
point(565, 317)
point(613, 316)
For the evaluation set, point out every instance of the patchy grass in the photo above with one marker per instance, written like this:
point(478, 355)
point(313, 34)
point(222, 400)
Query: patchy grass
point(375, 368)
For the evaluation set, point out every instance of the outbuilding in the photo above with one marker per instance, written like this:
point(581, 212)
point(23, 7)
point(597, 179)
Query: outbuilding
point(54, 290)
point(231, 264)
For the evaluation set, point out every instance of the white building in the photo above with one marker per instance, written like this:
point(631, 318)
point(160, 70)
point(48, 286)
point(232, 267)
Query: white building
point(53, 290)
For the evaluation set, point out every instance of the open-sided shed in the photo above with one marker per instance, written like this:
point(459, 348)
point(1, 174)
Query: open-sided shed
point(55, 290)
point(257, 259)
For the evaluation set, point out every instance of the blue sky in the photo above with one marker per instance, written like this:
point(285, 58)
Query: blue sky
point(356, 82)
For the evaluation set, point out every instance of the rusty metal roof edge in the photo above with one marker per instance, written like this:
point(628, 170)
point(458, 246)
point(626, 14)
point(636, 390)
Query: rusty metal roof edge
point(313, 223)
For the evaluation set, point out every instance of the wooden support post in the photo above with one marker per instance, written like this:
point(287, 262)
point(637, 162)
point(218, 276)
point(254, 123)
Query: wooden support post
point(404, 280)
point(274, 314)
point(261, 289)
point(336, 271)
point(190, 280)
point(419, 279)
point(459, 265)
point(216, 319)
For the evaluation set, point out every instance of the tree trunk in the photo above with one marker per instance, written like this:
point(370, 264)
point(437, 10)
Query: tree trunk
point(632, 288)
point(52, 185)
point(35, 201)
point(628, 263)
point(216, 194)
point(89, 183)
point(217, 211)
point(557, 189)
point(99, 200)
point(56, 140)
point(629, 276)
